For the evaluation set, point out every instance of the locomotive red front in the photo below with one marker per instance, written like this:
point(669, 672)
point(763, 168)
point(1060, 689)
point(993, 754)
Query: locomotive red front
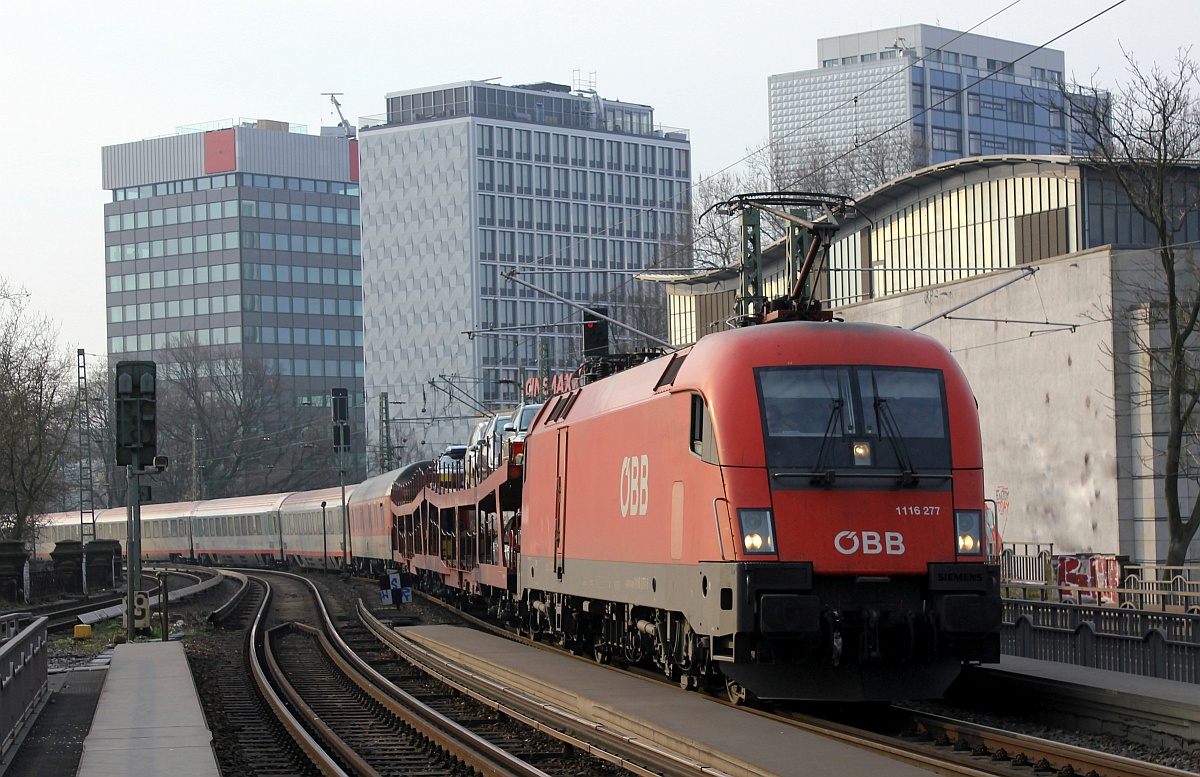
point(797, 507)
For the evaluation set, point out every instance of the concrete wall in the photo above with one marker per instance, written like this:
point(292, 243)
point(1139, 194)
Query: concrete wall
point(1045, 392)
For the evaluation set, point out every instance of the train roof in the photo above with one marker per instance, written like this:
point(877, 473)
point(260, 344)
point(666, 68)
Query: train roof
point(376, 487)
point(168, 510)
point(240, 504)
point(381, 485)
point(308, 500)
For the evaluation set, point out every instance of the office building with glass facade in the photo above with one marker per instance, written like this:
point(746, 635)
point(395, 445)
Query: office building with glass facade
point(957, 94)
point(465, 183)
point(243, 238)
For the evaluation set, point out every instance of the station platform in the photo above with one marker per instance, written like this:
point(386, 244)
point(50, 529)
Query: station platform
point(148, 720)
point(1145, 709)
point(641, 708)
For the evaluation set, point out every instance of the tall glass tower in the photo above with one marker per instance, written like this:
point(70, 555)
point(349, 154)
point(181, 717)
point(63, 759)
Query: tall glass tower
point(871, 81)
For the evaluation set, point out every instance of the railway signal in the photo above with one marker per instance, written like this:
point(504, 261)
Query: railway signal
point(136, 413)
point(595, 333)
point(340, 404)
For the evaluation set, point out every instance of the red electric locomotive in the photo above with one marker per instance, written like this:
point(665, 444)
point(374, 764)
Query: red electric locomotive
point(795, 508)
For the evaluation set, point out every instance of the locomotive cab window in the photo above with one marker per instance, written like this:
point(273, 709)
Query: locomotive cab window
point(855, 420)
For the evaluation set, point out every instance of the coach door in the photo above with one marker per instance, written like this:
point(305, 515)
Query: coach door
point(560, 505)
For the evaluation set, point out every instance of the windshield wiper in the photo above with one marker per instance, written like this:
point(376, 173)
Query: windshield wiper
point(826, 478)
point(891, 430)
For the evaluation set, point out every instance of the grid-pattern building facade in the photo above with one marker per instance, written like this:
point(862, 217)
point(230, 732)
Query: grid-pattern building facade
point(466, 182)
point(870, 82)
point(245, 237)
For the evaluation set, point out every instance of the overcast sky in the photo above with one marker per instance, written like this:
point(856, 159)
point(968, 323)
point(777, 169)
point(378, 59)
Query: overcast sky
point(81, 75)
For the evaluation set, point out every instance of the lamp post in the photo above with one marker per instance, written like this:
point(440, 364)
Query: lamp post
point(339, 402)
point(386, 449)
point(324, 540)
point(345, 516)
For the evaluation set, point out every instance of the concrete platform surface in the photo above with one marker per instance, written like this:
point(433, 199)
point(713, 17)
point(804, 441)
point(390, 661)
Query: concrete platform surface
point(149, 720)
point(639, 707)
point(1160, 691)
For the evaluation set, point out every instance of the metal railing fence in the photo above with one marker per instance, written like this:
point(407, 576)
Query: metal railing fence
point(23, 672)
point(1150, 643)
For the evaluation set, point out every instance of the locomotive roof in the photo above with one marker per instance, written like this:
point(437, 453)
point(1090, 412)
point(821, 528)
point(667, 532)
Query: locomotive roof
point(720, 366)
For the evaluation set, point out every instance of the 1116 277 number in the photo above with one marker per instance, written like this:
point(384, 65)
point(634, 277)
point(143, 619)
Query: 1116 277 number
point(918, 510)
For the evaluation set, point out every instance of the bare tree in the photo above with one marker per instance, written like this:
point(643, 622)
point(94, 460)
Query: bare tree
point(108, 481)
point(1146, 139)
point(37, 403)
point(230, 429)
point(880, 156)
point(717, 234)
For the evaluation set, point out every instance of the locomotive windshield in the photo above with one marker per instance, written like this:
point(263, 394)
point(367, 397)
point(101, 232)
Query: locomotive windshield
point(846, 418)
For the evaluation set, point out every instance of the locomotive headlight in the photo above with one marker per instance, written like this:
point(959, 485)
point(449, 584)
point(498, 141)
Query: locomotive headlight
point(968, 527)
point(862, 453)
point(758, 531)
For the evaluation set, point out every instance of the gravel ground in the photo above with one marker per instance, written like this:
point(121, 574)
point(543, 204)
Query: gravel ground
point(188, 618)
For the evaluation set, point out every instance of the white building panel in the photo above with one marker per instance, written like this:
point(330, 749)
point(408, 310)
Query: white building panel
point(418, 286)
point(169, 158)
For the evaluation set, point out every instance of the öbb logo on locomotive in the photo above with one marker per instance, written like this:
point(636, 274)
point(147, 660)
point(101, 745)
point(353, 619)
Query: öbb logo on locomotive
point(870, 543)
point(635, 485)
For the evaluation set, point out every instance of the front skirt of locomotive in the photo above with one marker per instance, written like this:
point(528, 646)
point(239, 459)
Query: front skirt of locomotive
point(858, 638)
point(854, 683)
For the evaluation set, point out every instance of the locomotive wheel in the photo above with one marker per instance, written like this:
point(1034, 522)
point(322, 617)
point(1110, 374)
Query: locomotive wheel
point(738, 695)
point(599, 651)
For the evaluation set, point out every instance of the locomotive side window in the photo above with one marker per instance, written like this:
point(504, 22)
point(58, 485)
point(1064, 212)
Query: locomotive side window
point(702, 442)
point(854, 419)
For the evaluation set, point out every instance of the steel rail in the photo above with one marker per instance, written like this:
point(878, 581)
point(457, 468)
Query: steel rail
point(319, 756)
point(464, 744)
point(635, 755)
point(326, 732)
point(1011, 749)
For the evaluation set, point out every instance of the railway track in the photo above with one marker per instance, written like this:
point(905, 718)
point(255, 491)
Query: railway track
point(355, 700)
point(248, 738)
point(352, 719)
point(1008, 750)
